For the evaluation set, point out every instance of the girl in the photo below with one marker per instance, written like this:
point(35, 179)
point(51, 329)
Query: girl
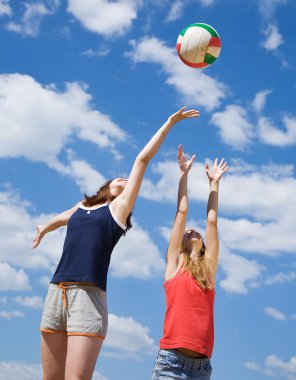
point(74, 320)
point(187, 342)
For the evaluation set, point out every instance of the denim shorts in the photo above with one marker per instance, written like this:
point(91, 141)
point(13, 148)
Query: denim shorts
point(172, 365)
point(75, 310)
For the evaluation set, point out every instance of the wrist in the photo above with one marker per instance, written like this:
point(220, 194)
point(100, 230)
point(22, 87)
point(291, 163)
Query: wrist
point(213, 183)
point(171, 121)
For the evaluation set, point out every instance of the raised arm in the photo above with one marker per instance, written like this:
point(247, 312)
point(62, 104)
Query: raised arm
point(176, 238)
point(123, 204)
point(56, 222)
point(212, 242)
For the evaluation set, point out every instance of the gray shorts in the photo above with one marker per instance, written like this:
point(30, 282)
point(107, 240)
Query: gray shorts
point(75, 310)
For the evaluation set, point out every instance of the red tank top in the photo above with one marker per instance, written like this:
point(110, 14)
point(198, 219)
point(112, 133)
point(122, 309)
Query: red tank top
point(189, 317)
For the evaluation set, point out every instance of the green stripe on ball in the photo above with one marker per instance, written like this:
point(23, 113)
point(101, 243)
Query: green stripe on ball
point(209, 59)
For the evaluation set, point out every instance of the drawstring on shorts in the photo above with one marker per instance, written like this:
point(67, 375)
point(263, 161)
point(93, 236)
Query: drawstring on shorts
point(64, 294)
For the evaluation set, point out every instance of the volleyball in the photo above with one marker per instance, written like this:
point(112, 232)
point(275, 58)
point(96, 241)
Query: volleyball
point(198, 45)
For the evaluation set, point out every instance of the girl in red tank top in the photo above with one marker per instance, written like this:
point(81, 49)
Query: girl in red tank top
point(188, 333)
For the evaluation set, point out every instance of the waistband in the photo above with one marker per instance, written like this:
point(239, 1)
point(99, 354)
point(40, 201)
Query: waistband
point(65, 286)
point(183, 360)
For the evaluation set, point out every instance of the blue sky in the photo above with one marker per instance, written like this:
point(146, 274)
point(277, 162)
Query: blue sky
point(83, 86)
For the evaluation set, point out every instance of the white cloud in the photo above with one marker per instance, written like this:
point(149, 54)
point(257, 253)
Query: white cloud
point(206, 3)
point(270, 31)
point(11, 314)
point(44, 280)
point(96, 53)
point(32, 18)
point(17, 231)
point(27, 371)
point(274, 313)
point(275, 367)
point(175, 11)
point(235, 129)
point(5, 8)
point(261, 192)
point(105, 17)
point(255, 367)
point(87, 178)
point(280, 278)
point(246, 236)
point(268, 7)
point(130, 260)
point(239, 126)
point(273, 38)
point(195, 87)
point(127, 338)
point(260, 100)
point(34, 302)
point(59, 117)
point(166, 187)
point(270, 134)
point(13, 279)
point(240, 272)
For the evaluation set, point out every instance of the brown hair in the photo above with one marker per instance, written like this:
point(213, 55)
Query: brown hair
point(198, 268)
point(103, 195)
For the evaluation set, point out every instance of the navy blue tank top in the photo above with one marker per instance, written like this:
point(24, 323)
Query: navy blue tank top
point(91, 236)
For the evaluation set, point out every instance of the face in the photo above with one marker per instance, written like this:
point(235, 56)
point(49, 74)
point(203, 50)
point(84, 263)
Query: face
point(117, 185)
point(192, 237)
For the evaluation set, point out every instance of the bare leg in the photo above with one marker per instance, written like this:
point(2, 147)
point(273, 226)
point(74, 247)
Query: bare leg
point(53, 353)
point(82, 355)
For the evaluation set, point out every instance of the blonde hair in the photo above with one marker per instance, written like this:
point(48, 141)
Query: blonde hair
point(198, 268)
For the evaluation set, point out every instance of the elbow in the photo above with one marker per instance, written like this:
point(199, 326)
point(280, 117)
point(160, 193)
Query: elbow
point(143, 159)
point(182, 211)
point(212, 221)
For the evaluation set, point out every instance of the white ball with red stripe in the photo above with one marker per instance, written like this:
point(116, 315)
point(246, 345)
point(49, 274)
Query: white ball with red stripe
point(198, 45)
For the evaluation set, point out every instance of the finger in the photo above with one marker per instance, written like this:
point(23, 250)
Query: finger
point(192, 159)
point(182, 109)
point(226, 169)
point(192, 114)
point(35, 244)
point(180, 152)
point(216, 161)
point(193, 110)
point(224, 165)
point(207, 166)
point(221, 162)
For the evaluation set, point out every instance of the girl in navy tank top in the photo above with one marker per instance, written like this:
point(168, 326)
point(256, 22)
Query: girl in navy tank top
point(188, 332)
point(74, 320)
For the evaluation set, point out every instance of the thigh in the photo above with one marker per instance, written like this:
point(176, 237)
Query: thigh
point(87, 312)
point(82, 354)
point(53, 354)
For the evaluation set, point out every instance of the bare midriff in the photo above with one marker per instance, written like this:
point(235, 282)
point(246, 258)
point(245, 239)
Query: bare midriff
point(190, 353)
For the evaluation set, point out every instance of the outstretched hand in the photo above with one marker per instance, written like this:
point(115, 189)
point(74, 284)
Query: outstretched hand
point(38, 237)
point(182, 114)
point(216, 172)
point(185, 165)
